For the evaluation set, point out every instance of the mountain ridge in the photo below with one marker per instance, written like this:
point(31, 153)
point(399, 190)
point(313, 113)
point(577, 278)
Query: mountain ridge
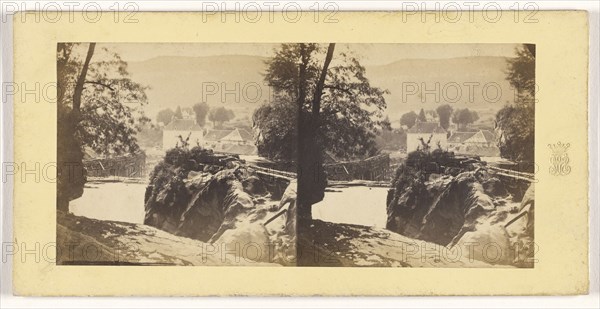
point(237, 81)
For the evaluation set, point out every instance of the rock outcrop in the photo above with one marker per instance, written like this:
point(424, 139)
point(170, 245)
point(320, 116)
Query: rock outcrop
point(459, 205)
point(218, 200)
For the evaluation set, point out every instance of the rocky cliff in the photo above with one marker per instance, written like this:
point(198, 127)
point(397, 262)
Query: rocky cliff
point(219, 200)
point(461, 204)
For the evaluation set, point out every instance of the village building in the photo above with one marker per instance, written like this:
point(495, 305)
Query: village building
point(184, 128)
point(235, 141)
point(426, 131)
point(480, 143)
point(481, 138)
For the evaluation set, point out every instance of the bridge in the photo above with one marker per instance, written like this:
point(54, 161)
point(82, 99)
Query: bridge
point(275, 180)
point(289, 176)
point(530, 177)
point(274, 173)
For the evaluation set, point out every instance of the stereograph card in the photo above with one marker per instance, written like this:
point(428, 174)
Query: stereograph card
point(359, 153)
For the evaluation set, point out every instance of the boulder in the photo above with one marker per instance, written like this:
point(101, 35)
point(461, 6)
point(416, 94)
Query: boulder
point(254, 186)
point(494, 187)
point(217, 200)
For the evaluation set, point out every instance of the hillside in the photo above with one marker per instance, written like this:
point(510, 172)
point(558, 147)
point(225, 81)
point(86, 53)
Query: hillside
point(411, 79)
point(179, 81)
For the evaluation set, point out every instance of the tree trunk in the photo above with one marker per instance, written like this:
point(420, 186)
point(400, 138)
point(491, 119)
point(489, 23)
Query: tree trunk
point(311, 176)
point(71, 175)
point(77, 93)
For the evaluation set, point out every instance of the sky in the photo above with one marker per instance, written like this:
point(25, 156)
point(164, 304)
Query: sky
point(172, 84)
point(370, 54)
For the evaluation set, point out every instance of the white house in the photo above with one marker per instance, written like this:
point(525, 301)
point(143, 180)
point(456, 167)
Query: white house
point(426, 130)
point(237, 141)
point(183, 128)
point(481, 138)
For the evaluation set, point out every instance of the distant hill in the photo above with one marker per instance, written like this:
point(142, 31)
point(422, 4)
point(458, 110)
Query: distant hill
point(179, 81)
point(412, 79)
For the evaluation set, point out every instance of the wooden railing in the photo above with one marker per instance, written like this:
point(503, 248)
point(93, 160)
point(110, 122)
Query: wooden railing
point(274, 173)
point(514, 174)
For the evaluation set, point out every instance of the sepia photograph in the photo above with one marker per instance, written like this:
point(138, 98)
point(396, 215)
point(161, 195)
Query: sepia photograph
point(300, 155)
point(296, 154)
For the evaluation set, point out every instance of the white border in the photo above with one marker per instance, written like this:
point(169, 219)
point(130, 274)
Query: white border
point(589, 301)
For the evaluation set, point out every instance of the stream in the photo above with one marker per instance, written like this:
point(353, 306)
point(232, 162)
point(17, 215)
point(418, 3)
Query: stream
point(353, 205)
point(121, 201)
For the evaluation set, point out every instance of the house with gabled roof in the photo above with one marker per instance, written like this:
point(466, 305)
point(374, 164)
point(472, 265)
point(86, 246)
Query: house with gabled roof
point(481, 143)
point(184, 128)
point(237, 141)
point(482, 138)
point(428, 131)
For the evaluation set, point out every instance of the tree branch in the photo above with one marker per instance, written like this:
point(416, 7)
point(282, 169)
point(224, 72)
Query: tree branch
point(101, 84)
point(338, 88)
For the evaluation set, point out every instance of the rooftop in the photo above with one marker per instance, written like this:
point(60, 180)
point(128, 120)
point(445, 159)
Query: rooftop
point(216, 135)
point(460, 137)
point(229, 135)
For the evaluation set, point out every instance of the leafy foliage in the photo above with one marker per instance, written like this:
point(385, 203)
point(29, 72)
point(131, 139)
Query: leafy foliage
point(444, 112)
point(350, 109)
point(178, 114)
point(165, 116)
point(201, 110)
point(409, 119)
point(98, 107)
point(521, 74)
point(422, 117)
point(516, 123)
point(111, 112)
point(220, 115)
point(517, 126)
point(464, 117)
point(392, 139)
point(277, 135)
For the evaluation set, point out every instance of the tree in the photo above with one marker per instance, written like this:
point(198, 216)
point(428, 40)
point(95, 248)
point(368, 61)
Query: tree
point(92, 112)
point(474, 116)
point(336, 110)
point(165, 116)
point(515, 123)
point(390, 138)
point(444, 112)
point(220, 115)
point(422, 117)
point(178, 114)
point(409, 119)
point(521, 73)
point(464, 117)
point(276, 140)
point(431, 113)
point(201, 110)
point(386, 124)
